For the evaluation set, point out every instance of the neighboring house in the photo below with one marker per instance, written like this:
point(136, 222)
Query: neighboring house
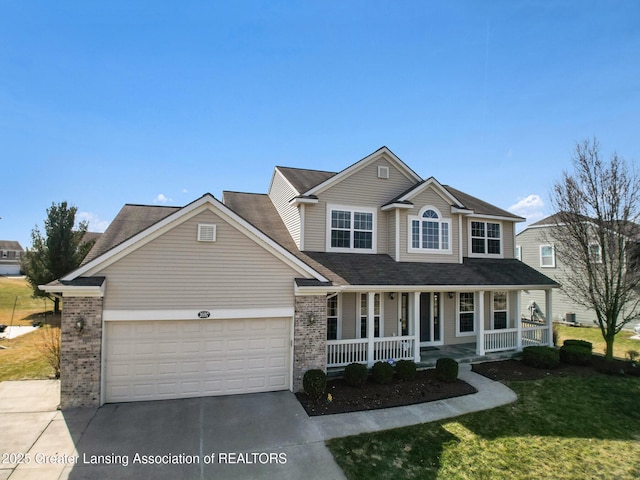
point(245, 295)
point(536, 246)
point(10, 254)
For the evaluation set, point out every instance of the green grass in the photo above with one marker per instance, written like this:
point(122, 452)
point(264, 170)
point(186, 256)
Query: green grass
point(560, 427)
point(621, 346)
point(15, 291)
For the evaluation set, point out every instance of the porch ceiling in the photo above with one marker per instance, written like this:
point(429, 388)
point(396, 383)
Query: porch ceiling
point(359, 269)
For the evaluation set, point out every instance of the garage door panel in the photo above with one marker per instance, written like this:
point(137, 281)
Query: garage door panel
point(166, 359)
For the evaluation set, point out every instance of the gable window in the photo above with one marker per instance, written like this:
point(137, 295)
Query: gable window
point(486, 238)
point(500, 309)
point(332, 317)
point(466, 313)
point(430, 232)
point(547, 256)
point(351, 229)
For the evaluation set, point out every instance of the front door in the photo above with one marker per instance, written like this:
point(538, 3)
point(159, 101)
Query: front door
point(430, 322)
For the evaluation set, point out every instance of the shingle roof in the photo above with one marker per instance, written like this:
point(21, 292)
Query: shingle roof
point(131, 220)
point(12, 245)
point(303, 179)
point(359, 269)
point(479, 206)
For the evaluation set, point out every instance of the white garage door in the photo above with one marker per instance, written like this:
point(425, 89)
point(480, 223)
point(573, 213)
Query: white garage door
point(154, 360)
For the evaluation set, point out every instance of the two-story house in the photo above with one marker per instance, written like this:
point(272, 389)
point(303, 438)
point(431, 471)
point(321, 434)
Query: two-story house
point(246, 294)
point(10, 255)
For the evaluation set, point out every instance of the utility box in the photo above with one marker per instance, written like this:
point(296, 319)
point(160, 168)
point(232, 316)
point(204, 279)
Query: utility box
point(570, 317)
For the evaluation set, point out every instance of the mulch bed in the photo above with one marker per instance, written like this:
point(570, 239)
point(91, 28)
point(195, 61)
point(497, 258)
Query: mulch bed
point(515, 370)
point(371, 396)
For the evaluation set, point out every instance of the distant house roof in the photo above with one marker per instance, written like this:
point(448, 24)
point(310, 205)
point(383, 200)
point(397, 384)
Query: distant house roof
point(11, 245)
point(131, 220)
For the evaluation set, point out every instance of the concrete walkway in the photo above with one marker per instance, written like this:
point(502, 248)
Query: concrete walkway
point(58, 443)
point(490, 395)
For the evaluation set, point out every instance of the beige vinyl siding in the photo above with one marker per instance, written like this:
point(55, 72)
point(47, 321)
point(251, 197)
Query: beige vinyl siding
point(450, 319)
point(281, 193)
point(429, 197)
point(390, 315)
point(361, 189)
point(176, 271)
point(530, 241)
point(350, 310)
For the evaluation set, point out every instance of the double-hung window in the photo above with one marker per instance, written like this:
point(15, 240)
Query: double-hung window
point(429, 232)
point(486, 238)
point(500, 310)
point(547, 256)
point(466, 313)
point(332, 317)
point(351, 229)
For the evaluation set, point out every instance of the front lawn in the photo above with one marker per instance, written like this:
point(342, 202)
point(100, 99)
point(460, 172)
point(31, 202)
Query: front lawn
point(564, 427)
point(17, 305)
point(621, 346)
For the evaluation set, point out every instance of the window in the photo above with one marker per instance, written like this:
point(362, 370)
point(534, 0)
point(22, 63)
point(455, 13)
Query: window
point(351, 229)
point(595, 252)
point(332, 317)
point(430, 232)
point(519, 252)
point(4, 254)
point(486, 238)
point(500, 309)
point(547, 256)
point(363, 314)
point(466, 313)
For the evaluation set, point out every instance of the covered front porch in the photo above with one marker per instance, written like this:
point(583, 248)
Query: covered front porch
point(366, 327)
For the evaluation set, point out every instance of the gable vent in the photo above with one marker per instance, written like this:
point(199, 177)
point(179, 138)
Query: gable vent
point(206, 232)
point(383, 172)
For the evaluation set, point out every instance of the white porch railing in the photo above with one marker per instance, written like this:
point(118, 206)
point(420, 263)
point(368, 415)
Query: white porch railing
point(341, 353)
point(535, 336)
point(503, 339)
point(394, 348)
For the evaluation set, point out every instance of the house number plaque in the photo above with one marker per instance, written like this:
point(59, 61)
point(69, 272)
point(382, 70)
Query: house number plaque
point(204, 314)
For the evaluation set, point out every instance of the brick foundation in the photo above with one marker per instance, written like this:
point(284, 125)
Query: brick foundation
point(81, 352)
point(310, 336)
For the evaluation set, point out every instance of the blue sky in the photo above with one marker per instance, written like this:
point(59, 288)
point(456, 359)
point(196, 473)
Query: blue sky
point(107, 103)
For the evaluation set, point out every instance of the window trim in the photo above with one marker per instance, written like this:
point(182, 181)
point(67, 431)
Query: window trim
point(519, 252)
point(363, 318)
point(338, 316)
point(352, 210)
point(494, 311)
point(486, 238)
point(441, 220)
point(599, 258)
point(458, 312)
point(553, 256)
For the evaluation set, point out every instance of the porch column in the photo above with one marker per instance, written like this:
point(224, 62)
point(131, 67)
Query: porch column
point(519, 320)
point(549, 314)
point(370, 327)
point(416, 325)
point(480, 336)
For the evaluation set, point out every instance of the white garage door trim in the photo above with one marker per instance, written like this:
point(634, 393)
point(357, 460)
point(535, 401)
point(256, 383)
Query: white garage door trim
point(155, 360)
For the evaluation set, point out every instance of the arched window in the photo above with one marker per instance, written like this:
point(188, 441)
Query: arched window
point(429, 231)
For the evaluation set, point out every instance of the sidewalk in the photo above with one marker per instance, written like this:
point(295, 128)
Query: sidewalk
point(490, 394)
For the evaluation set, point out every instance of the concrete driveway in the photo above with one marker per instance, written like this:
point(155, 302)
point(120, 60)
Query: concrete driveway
point(265, 435)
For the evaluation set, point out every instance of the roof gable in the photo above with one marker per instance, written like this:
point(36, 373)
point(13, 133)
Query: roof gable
point(356, 167)
point(420, 187)
point(179, 216)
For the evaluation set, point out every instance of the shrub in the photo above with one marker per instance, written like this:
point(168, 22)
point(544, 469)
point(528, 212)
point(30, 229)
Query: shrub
point(541, 357)
point(575, 355)
point(447, 369)
point(579, 343)
point(406, 369)
point(314, 383)
point(355, 374)
point(382, 372)
point(632, 355)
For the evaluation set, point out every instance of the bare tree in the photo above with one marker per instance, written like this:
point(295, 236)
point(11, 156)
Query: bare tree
point(596, 237)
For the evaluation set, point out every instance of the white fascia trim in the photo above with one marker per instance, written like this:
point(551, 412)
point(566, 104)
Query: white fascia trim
point(301, 291)
point(360, 164)
point(497, 217)
point(463, 211)
point(71, 291)
point(394, 206)
point(192, 314)
point(301, 201)
point(431, 181)
point(203, 203)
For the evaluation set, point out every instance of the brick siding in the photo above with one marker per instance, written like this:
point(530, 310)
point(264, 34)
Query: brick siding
point(310, 336)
